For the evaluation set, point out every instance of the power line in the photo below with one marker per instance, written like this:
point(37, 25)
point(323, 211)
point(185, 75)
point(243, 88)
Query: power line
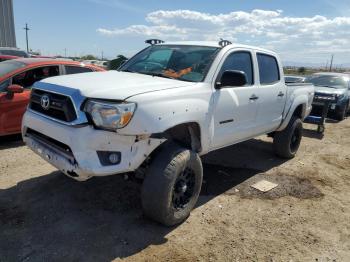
point(27, 29)
point(330, 67)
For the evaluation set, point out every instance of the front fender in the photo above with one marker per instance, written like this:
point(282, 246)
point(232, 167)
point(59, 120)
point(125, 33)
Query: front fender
point(158, 111)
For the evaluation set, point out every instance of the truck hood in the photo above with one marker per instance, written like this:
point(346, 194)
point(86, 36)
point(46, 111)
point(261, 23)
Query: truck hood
point(113, 84)
point(329, 90)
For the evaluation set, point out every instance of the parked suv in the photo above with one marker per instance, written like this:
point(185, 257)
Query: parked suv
point(167, 105)
point(335, 85)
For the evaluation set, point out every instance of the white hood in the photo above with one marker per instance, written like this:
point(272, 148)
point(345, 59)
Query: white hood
point(113, 84)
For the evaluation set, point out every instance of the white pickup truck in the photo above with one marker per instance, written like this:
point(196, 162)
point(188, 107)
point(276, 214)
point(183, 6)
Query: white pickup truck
point(156, 115)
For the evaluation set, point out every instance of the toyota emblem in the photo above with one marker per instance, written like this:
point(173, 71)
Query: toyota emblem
point(45, 102)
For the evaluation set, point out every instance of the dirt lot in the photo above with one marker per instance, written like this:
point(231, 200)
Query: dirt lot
point(45, 216)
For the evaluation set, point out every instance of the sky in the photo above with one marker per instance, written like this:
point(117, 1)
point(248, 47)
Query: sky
point(304, 32)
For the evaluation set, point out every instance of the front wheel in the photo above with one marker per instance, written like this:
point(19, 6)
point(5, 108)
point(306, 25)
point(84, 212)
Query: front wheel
point(172, 184)
point(341, 113)
point(286, 143)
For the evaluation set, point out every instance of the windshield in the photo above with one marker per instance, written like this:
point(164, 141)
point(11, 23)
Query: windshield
point(187, 63)
point(19, 53)
point(9, 66)
point(329, 81)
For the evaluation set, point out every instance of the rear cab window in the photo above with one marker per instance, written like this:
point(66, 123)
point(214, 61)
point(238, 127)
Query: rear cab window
point(268, 69)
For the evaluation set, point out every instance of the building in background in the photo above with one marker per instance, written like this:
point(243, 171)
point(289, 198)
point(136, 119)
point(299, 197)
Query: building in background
point(7, 24)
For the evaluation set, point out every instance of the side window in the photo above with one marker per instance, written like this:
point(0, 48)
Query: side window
point(4, 85)
point(28, 78)
point(241, 61)
point(268, 69)
point(77, 70)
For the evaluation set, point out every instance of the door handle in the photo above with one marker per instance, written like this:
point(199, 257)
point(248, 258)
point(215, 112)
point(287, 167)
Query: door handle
point(253, 97)
point(280, 94)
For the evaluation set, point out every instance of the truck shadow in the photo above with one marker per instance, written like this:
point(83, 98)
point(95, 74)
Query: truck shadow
point(311, 133)
point(11, 141)
point(50, 218)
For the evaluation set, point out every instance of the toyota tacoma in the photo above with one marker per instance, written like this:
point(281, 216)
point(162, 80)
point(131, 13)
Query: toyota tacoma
point(164, 108)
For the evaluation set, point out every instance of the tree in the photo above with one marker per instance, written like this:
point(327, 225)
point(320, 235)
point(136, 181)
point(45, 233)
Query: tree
point(301, 70)
point(89, 57)
point(116, 63)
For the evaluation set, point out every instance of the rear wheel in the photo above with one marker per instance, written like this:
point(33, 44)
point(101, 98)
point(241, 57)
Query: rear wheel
point(172, 184)
point(286, 143)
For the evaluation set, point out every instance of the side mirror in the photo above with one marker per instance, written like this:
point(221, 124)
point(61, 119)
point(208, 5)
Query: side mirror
point(15, 89)
point(233, 78)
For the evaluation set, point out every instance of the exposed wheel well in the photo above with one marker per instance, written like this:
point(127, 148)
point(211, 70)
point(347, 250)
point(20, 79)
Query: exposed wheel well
point(299, 111)
point(187, 134)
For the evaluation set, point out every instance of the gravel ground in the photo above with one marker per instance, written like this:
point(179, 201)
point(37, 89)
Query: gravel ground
point(45, 216)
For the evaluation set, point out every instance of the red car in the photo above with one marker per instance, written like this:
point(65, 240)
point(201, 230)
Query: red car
point(16, 79)
point(7, 57)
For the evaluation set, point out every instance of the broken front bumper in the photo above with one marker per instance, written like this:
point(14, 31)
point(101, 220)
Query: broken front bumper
point(75, 150)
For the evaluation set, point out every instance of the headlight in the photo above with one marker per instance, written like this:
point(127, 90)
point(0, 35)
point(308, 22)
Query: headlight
point(339, 96)
point(109, 115)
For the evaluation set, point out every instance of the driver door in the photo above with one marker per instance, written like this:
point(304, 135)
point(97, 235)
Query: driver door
point(12, 108)
point(235, 108)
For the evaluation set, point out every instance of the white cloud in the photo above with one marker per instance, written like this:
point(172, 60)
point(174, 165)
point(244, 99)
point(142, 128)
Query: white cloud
point(294, 37)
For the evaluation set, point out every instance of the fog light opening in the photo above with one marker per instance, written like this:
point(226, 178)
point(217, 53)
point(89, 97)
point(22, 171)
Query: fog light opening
point(108, 158)
point(114, 158)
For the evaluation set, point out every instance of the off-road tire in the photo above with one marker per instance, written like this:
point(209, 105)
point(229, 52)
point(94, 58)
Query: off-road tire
point(286, 143)
point(162, 179)
point(341, 113)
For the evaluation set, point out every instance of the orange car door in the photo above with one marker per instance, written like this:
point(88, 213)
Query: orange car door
point(12, 109)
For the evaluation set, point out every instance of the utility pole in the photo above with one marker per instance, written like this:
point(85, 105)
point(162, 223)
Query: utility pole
point(27, 29)
point(102, 55)
point(330, 66)
point(65, 52)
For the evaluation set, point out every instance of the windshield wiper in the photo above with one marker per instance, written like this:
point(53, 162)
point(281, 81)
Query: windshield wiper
point(156, 74)
point(148, 73)
point(165, 76)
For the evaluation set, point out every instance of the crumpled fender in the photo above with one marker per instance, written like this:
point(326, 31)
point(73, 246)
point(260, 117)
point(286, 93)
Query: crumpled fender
point(293, 103)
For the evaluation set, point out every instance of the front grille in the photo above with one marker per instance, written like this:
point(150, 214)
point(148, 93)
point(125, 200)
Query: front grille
point(324, 96)
point(60, 106)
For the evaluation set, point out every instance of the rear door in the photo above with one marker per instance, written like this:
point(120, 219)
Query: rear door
point(272, 93)
point(235, 108)
point(13, 107)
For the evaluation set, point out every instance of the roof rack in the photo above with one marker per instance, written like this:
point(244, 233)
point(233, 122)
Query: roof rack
point(224, 42)
point(154, 41)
